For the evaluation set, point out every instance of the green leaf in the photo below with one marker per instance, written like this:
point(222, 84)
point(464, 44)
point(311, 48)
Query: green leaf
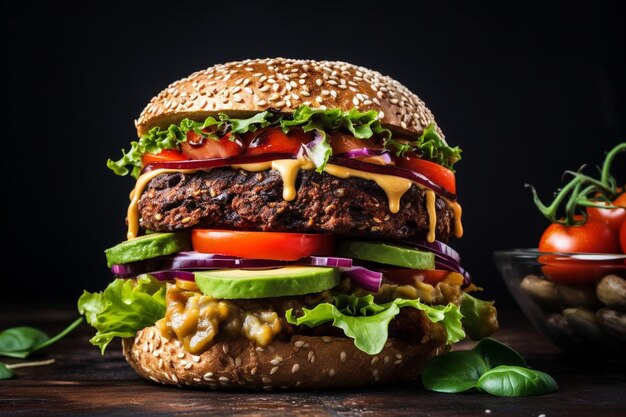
point(5, 372)
point(18, 342)
point(495, 354)
point(516, 381)
point(123, 308)
point(479, 317)
point(367, 322)
point(454, 372)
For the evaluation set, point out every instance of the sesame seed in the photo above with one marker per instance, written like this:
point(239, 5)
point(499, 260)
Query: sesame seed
point(189, 365)
point(305, 93)
point(156, 353)
point(273, 370)
point(174, 378)
point(224, 379)
point(225, 348)
point(259, 349)
point(186, 220)
point(235, 89)
point(319, 82)
point(261, 103)
point(331, 372)
point(332, 82)
point(253, 371)
point(264, 88)
point(183, 363)
point(398, 362)
point(355, 101)
point(195, 358)
point(246, 81)
point(326, 339)
point(295, 368)
point(375, 374)
point(398, 356)
point(311, 357)
point(180, 355)
point(333, 93)
point(276, 361)
point(248, 90)
point(299, 343)
point(237, 362)
point(196, 379)
point(237, 98)
point(374, 360)
point(386, 359)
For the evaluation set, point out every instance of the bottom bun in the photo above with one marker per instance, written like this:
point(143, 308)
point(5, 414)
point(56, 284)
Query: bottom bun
point(304, 362)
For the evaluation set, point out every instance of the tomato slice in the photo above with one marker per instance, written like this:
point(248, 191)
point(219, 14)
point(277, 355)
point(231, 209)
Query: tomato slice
point(199, 147)
point(342, 143)
point(435, 172)
point(261, 245)
point(165, 155)
point(565, 270)
point(275, 140)
point(409, 276)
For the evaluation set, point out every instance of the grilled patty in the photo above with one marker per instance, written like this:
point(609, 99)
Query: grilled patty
point(236, 199)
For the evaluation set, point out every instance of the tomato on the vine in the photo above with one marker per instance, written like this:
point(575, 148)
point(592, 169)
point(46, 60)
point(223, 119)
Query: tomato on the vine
point(592, 236)
point(615, 217)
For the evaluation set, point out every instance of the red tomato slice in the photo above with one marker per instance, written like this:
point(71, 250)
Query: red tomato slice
point(342, 143)
point(593, 236)
point(275, 140)
point(165, 155)
point(199, 147)
point(438, 174)
point(613, 217)
point(261, 245)
point(565, 270)
point(622, 237)
point(408, 276)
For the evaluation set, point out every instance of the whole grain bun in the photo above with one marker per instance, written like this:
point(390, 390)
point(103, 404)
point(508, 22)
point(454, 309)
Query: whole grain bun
point(304, 362)
point(254, 85)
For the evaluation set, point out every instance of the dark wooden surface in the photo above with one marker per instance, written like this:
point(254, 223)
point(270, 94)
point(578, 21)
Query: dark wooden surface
point(81, 382)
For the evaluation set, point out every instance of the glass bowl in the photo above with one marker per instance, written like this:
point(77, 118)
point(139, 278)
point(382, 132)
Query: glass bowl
point(578, 300)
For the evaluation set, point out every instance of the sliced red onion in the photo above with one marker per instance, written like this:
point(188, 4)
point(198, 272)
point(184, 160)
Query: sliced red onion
point(191, 260)
point(216, 162)
point(437, 247)
point(171, 274)
point(364, 152)
point(392, 170)
point(365, 278)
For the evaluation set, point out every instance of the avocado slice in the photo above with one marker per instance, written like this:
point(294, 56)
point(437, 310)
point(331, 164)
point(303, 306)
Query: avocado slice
point(147, 246)
point(384, 253)
point(264, 283)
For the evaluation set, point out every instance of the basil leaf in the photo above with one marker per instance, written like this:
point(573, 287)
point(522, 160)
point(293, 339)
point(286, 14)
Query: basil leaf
point(515, 381)
point(59, 336)
point(495, 354)
point(367, 322)
point(17, 342)
point(124, 307)
point(5, 372)
point(453, 372)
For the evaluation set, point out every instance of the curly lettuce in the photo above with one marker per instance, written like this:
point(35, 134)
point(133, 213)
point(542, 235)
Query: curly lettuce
point(367, 323)
point(123, 308)
point(362, 125)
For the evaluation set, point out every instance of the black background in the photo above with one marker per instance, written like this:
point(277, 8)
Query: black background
point(527, 89)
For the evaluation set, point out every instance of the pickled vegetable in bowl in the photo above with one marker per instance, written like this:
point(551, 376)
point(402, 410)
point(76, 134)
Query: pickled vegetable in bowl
point(582, 311)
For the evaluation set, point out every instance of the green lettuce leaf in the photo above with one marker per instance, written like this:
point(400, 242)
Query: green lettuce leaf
point(123, 308)
point(480, 318)
point(157, 139)
point(367, 323)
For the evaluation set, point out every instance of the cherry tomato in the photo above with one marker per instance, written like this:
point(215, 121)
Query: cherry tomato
point(438, 174)
point(622, 237)
point(342, 143)
point(409, 276)
point(261, 245)
point(275, 140)
point(613, 217)
point(165, 155)
point(199, 147)
point(592, 236)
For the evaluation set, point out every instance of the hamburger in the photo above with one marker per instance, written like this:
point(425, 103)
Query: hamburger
point(287, 229)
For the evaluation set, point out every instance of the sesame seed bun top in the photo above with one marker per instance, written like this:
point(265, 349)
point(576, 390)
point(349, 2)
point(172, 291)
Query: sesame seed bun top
point(244, 87)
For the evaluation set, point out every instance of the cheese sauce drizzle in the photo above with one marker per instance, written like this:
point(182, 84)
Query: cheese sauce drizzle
point(394, 188)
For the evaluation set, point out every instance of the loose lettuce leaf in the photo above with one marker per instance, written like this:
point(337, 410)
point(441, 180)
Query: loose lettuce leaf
point(123, 308)
point(480, 318)
point(157, 139)
point(367, 322)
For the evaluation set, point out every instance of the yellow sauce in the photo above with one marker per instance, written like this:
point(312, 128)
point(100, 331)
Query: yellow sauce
point(432, 215)
point(394, 187)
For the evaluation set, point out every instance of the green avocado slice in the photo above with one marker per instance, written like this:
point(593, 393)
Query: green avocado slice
point(384, 253)
point(264, 283)
point(147, 246)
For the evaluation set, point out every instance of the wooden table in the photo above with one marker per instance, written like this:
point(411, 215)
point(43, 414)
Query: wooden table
point(81, 382)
